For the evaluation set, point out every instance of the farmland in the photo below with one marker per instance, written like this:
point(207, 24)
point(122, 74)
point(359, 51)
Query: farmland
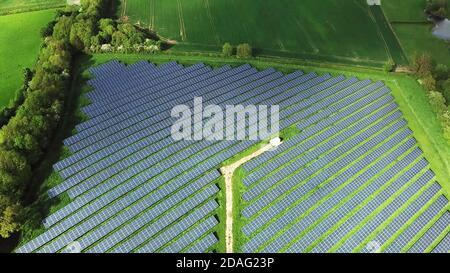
point(413, 31)
point(349, 131)
point(20, 53)
point(17, 6)
point(304, 30)
point(361, 166)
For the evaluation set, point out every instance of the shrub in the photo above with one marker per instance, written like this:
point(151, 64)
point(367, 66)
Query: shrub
point(244, 51)
point(227, 50)
point(446, 90)
point(429, 82)
point(446, 125)
point(422, 65)
point(436, 8)
point(441, 72)
point(437, 102)
point(389, 66)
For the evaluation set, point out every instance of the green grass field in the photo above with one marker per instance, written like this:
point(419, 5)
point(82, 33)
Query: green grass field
point(409, 10)
point(20, 36)
point(284, 28)
point(16, 6)
point(413, 31)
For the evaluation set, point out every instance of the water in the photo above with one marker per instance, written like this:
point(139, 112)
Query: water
point(442, 30)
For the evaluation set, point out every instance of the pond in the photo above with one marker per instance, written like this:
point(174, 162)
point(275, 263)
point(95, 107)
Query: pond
point(442, 30)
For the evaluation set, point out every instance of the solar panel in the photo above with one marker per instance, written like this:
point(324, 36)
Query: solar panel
point(135, 189)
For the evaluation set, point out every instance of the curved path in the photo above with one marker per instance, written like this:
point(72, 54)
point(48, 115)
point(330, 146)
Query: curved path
point(227, 172)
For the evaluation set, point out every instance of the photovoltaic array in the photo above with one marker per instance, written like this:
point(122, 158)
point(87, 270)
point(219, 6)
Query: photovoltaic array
point(353, 175)
point(353, 180)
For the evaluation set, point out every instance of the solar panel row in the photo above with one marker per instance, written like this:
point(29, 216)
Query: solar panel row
point(425, 241)
point(135, 189)
point(191, 236)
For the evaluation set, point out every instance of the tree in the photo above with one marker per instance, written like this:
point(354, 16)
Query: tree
point(437, 102)
point(437, 8)
point(227, 50)
point(429, 82)
point(81, 33)
point(9, 216)
point(422, 65)
point(244, 51)
point(441, 72)
point(446, 90)
point(61, 30)
point(107, 26)
point(14, 173)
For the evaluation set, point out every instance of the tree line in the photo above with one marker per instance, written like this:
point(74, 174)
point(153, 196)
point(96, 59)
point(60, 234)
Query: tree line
point(435, 78)
point(27, 135)
point(437, 9)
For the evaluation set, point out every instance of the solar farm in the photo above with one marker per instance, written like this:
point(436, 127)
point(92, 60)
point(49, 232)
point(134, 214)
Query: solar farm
point(351, 179)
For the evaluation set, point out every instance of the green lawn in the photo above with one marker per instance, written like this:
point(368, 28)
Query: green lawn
point(20, 36)
point(15, 6)
point(404, 10)
point(417, 39)
point(285, 28)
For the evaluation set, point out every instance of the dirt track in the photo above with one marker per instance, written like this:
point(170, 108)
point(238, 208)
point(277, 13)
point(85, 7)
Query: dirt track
point(227, 172)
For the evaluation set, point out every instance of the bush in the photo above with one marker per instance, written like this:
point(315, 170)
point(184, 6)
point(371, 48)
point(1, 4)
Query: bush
point(436, 8)
point(389, 66)
point(437, 102)
point(429, 82)
point(422, 65)
point(441, 72)
point(227, 50)
point(244, 51)
point(446, 90)
point(446, 124)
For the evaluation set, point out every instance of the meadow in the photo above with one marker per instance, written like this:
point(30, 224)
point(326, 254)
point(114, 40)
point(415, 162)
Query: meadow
point(16, 6)
point(414, 31)
point(20, 45)
point(302, 30)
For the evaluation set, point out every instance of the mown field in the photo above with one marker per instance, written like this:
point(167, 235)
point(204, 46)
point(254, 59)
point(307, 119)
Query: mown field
point(15, 6)
point(413, 31)
point(284, 28)
point(20, 36)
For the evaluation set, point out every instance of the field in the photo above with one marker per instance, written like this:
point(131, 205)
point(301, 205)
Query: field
point(413, 31)
point(302, 29)
point(19, 53)
point(122, 202)
point(16, 6)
